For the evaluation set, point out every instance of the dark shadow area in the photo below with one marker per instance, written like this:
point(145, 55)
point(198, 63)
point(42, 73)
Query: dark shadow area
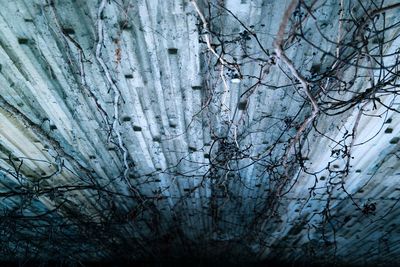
point(183, 263)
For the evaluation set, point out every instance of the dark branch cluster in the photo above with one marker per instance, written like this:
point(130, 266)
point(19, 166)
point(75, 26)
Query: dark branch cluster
point(346, 68)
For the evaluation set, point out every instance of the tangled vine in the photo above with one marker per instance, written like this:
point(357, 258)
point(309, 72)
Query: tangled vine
point(269, 93)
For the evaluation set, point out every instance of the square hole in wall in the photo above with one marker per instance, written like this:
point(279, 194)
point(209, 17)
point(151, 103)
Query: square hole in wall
point(137, 128)
point(172, 51)
point(388, 130)
point(22, 40)
point(68, 31)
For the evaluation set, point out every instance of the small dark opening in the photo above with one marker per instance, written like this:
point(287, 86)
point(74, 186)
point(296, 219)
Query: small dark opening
point(126, 118)
point(242, 105)
point(23, 40)
point(172, 51)
point(389, 130)
point(68, 31)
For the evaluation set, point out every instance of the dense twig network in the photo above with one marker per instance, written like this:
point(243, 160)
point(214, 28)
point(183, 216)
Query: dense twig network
point(351, 73)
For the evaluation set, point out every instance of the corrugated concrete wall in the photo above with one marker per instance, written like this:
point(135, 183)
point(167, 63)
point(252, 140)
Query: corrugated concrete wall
point(134, 129)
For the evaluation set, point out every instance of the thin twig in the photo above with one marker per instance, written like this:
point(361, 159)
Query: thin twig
point(304, 83)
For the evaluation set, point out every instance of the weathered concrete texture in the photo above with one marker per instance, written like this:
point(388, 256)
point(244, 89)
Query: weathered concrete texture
point(125, 96)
